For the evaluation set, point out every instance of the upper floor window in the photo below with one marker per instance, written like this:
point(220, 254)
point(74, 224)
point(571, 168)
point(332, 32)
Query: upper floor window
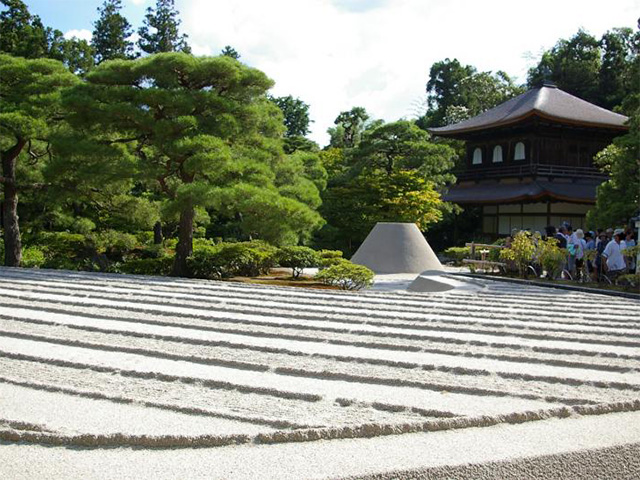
point(497, 154)
point(519, 154)
point(477, 156)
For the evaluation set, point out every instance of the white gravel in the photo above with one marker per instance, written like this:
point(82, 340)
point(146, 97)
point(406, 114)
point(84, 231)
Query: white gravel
point(155, 363)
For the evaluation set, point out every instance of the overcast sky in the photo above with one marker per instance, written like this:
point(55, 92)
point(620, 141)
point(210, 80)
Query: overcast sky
point(336, 54)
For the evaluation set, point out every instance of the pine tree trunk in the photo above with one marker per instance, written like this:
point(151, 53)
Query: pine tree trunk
point(157, 233)
point(10, 225)
point(184, 248)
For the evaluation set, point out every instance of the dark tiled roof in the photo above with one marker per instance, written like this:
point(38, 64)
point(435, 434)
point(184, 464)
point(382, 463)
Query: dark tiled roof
point(583, 191)
point(547, 101)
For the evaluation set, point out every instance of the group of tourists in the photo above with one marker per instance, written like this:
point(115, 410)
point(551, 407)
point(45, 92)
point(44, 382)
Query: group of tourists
point(608, 247)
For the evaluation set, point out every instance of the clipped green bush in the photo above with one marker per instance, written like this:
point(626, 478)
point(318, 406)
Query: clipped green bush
point(297, 259)
point(457, 254)
point(63, 250)
point(248, 259)
point(115, 245)
point(148, 266)
point(32, 257)
point(346, 276)
point(206, 262)
point(329, 257)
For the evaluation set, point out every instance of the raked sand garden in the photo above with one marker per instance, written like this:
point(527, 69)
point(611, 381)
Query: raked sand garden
point(114, 376)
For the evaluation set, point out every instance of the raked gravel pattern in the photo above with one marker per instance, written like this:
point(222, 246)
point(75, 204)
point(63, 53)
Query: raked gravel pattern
point(161, 363)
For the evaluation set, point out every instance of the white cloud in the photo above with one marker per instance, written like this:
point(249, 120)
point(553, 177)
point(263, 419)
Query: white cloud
point(137, 2)
point(335, 54)
point(83, 34)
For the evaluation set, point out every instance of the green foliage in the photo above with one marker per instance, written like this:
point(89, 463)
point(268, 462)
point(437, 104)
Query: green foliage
point(521, 252)
point(328, 258)
point(604, 72)
point(631, 252)
point(32, 257)
point(456, 92)
point(216, 145)
point(618, 198)
point(349, 127)
point(630, 279)
point(110, 33)
point(297, 259)
point(573, 65)
point(30, 92)
point(159, 32)
point(63, 250)
point(114, 244)
point(393, 175)
point(457, 254)
point(24, 35)
point(296, 115)
point(148, 266)
point(222, 260)
point(346, 276)
point(229, 51)
point(551, 257)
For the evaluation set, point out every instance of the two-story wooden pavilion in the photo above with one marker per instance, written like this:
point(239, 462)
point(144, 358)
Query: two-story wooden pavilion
point(529, 161)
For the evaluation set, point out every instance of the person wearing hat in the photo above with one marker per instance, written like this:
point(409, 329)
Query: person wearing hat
point(615, 263)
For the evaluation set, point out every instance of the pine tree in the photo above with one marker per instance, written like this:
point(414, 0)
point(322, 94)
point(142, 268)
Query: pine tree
point(110, 33)
point(229, 51)
point(159, 32)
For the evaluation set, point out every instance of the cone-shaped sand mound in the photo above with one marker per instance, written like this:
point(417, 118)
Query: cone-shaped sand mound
point(396, 248)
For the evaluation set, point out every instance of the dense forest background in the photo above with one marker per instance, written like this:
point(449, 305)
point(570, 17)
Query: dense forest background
point(115, 152)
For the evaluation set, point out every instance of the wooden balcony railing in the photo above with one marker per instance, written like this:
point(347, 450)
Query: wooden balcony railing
point(529, 170)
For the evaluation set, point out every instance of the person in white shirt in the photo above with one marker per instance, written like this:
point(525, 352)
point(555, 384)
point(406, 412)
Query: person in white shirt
point(612, 252)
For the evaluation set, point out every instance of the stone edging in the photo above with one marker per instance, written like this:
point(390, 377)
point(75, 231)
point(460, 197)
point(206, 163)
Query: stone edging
point(576, 288)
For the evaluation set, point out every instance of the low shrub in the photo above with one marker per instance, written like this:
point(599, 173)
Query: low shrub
point(248, 259)
point(63, 250)
point(32, 257)
point(346, 275)
point(297, 259)
point(457, 254)
point(115, 245)
point(629, 280)
point(521, 252)
point(206, 262)
point(551, 257)
point(148, 266)
point(329, 257)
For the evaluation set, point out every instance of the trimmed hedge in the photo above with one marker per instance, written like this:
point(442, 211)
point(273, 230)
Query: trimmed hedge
point(346, 276)
point(297, 259)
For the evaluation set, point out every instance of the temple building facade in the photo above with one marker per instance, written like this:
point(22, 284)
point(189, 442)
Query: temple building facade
point(529, 161)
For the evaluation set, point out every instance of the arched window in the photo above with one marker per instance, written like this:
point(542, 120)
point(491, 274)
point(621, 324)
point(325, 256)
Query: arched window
point(497, 154)
point(519, 154)
point(477, 156)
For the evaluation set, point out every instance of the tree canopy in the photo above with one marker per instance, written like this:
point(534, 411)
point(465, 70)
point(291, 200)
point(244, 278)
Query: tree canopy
point(394, 173)
point(456, 92)
point(30, 111)
point(24, 35)
point(160, 30)
point(201, 129)
point(618, 198)
point(602, 71)
point(111, 33)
